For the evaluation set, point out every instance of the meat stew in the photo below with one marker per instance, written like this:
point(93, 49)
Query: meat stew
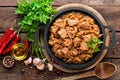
point(70, 37)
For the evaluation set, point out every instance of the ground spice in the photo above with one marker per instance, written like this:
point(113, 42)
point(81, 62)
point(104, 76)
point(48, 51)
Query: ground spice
point(8, 61)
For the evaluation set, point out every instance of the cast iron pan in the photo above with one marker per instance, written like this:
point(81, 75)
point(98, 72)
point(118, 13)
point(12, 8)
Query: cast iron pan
point(47, 34)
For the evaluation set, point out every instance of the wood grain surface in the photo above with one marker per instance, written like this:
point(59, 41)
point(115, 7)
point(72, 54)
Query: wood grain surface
point(109, 9)
point(62, 2)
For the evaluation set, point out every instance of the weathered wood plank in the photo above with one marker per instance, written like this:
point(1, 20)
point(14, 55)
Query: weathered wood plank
point(62, 2)
point(110, 13)
point(30, 73)
point(8, 2)
point(7, 17)
point(88, 2)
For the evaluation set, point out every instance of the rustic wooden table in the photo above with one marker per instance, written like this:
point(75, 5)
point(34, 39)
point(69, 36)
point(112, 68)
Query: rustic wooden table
point(110, 10)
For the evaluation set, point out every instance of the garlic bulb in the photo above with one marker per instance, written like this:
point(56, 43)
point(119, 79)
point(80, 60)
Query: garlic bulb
point(50, 67)
point(36, 61)
point(40, 66)
point(28, 61)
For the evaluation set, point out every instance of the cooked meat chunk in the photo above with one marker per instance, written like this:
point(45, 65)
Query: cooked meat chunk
point(68, 28)
point(59, 54)
point(86, 38)
point(85, 56)
point(83, 25)
point(68, 55)
point(54, 41)
point(81, 32)
point(71, 34)
point(72, 22)
point(83, 46)
point(53, 29)
point(76, 41)
point(64, 23)
point(69, 60)
point(79, 16)
point(95, 28)
point(74, 51)
point(80, 24)
point(62, 33)
point(60, 23)
point(76, 30)
point(77, 60)
point(59, 20)
point(55, 47)
point(65, 50)
point(93, 35)
point(67, 43)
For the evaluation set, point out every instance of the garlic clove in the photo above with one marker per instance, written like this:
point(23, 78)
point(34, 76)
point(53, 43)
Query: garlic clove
point(28, 61)
point(40, 66)
point(36, 61)
point(50, 67)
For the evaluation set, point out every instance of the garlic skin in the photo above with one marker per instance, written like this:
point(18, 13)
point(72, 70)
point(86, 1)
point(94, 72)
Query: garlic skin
point(50, 67)
point(28, 61)
point(40, 66)
point(36, 61)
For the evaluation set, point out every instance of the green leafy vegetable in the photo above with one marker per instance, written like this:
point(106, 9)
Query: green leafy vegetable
point(35, 12)
point(94, 44)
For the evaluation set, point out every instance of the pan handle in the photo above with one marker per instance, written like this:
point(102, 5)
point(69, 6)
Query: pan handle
point(36, 37)
point(113, 38)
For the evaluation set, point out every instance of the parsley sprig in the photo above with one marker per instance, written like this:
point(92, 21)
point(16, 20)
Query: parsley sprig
point(35, 12)
point(94, 44)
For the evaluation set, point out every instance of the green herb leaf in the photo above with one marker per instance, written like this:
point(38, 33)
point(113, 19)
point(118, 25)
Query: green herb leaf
point(94, 44)
point(35, 12)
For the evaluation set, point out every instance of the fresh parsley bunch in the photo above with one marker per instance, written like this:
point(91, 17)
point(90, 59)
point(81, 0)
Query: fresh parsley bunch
point(35, 12)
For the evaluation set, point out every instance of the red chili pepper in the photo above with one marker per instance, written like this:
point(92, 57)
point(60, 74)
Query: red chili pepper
point(5, 35)
point(17, 38)
point(12, 35)
point(26, 43)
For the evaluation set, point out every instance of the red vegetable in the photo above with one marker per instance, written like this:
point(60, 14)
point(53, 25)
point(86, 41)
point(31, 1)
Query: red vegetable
point(11, 36)
point(5, 35)
point(17, 38)
point(26, 43)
